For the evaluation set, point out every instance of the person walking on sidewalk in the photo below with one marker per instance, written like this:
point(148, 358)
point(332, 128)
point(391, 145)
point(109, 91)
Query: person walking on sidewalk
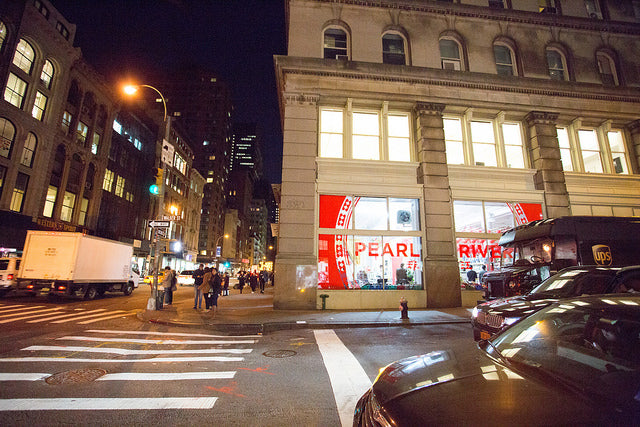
point(225, 286)
point(253, 281)
point(169, 284)
point(241, 280)
point(216, 289)
point(205, 288)
point(197, 281)
point(262, 280)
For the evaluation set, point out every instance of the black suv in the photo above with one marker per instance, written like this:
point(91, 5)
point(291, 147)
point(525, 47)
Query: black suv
point(493, 316)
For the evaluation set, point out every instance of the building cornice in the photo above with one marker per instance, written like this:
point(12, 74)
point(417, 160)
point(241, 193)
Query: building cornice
point(505, 15)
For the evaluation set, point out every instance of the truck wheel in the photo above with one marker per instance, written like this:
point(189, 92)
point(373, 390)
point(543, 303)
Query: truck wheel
point(91, 293)
point(128, 288)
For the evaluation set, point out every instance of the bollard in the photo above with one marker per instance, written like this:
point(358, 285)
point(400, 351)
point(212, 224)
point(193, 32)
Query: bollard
point(404, 309)
point(324, 300)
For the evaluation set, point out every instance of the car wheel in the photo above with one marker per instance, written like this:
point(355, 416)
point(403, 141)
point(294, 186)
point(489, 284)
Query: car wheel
point(128, 289)
point(91, 293)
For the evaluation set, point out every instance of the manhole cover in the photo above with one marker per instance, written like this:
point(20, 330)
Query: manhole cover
point(75, 377)
point(278, 354)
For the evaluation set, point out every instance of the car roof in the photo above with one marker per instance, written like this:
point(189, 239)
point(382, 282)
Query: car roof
point(623, 303)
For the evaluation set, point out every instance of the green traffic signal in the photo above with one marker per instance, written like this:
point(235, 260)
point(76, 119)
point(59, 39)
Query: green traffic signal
point(153, 189)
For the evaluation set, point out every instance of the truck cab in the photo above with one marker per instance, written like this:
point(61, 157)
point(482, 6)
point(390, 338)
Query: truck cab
point(534, 251)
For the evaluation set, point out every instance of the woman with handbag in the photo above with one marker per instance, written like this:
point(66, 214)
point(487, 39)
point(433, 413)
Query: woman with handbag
point(205, 288)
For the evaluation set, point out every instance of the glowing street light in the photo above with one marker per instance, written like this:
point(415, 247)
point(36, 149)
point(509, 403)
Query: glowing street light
point(131, 90)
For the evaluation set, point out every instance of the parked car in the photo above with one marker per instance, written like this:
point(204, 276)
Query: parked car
point(574, 362)
point(185, 278)
point(8, 273)
point(492, 316)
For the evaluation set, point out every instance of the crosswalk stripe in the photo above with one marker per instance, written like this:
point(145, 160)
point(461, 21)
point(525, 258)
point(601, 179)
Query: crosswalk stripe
point(66, 404)
point(176, 334)
point(64, 316)
point(88, 316)
point(125, 351)
point(29, 317)
point(108, 317)
point(167, 376)
point(21, 376)
point(18, 309)
point(164, 342)
point(145, 360)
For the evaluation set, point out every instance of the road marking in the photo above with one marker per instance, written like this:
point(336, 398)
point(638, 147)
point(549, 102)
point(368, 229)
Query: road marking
point(108, 317)
point(29, 317)
point(125, 351)
point(88, 316)
point(82, 404)
point(141, 341)
point(10, 308)
point(175, 334)
point(145, 360)
point(64, 315)
point(348, 379)
point(28, 376)
point(20, 309)
point(167, 376)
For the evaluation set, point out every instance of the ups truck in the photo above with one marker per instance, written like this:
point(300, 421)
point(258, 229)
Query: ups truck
point(534, 251)
point(75, 265)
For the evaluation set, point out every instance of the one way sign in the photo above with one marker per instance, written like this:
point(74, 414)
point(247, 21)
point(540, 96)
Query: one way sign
point(159, 224)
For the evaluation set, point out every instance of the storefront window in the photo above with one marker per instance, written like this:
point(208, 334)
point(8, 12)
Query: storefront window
point(370, 214)
point(499, 217)
point(479, 255)
point(468, 216)
point(404, 214)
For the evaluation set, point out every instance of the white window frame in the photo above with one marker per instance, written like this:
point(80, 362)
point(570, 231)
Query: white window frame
point(39, 106)
point(604, 57)
point(405, 54)
point(563, 59)
point(345, 50)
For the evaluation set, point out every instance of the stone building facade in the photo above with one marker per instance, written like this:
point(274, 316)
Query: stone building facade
point(415, 132)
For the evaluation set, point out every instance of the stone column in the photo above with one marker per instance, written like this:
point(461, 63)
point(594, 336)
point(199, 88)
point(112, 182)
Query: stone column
point(442, 277)
point(296, 241)
point(545, 154)
point(634, 146)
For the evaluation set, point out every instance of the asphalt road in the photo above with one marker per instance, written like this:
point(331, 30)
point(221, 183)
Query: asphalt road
point(121, 371)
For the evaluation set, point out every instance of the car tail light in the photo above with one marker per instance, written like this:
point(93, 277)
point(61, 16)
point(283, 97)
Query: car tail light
point(29, 286)
point(62, 288)
point(9, 276)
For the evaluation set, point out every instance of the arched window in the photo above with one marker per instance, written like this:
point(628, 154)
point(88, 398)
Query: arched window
point(557, 64)
point(335, 44)
point(47, 74)
point(3, 34)
point(450, 57)
point(29, 149)
point(505, 60)
point(24, 56)
point(75, 171)
point(393, 49)
point(91, 173)
point(7, 135)
point(74, 94)
point(58, 166)
point(607, 69)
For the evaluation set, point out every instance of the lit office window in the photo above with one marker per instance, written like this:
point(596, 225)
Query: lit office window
point(39, 106)
point(7, 136)
point(24, 56)
point(483, 143)
point(453, 141)
point(366, 136)
point(84, 207)
point(47, 74)
point(513, 145)
point(618, 152)
point(66, 214)
point(107, 183)
point(590, 151)
point(331, 133)
point(399, 142)
point(565, 149)
point(17, 198)
point(119, 191)
point(50, 201)
point(95, 143)
point(28, 150)
point(15, 90)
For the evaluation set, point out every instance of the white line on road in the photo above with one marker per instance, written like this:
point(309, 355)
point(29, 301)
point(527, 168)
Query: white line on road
point(15, 319)
point(22, 376)
point(10, 308)
point(141, 341)
point(167, 376)
point(145, 360)
point(82, 404)
point(89, 316)
point(64, 315)
point(175, 334)
point(100, 319)
point(125, 351)
point(348, 379)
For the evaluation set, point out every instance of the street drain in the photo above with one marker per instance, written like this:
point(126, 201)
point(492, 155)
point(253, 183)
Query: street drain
point(279, 354)
point(77, 376)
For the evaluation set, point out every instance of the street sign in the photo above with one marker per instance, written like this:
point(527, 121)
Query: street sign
point(161, 232)
point(171, 218)
point(159, 224)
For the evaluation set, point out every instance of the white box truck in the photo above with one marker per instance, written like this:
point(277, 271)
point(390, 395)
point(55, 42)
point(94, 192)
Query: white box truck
point(75, 264)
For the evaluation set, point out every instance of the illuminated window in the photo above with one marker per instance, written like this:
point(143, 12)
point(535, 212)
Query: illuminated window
point(107, 183)
point(17, 198)
point(50, 201)
point(24, 56)
point(366, 136)
point(565, 149)
point(513, 148)
point(39, 106)
point(331, 133)
point(7, 135)
point(557, 64)
point(84, 208)
point(95, 143)
point(590, 149)
point(393, 49)
point(618, 152)
point(47, 74)
point(453, 141)
point(15, 90)
point(81, 132)
point(66, 121)
point(483, 144)
point(399, 141)
point(28, 150)
point(3, 34)
point(68, 202)
point(450, 57)
point(119, 191)
point(548, 6)
point(117, 127)
point(335, 44)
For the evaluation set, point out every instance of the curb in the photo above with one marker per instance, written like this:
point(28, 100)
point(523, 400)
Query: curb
point(269, 327)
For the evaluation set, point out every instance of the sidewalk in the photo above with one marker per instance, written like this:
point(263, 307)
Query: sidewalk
point(252, 313)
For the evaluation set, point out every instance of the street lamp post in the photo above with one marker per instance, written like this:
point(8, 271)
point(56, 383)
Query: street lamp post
point(155, 297)
point(225, 236)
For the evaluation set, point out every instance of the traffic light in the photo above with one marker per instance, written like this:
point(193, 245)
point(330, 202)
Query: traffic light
point(156, 188)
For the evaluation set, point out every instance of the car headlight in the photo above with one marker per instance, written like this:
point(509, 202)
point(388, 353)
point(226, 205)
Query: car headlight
point(508, 321)
point(474, 312)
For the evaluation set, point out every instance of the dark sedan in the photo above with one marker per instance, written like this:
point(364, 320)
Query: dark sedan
point(493, 316)
point(575, 362)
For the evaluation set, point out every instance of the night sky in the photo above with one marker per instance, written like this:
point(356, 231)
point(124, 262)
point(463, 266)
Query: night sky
point(148, 39)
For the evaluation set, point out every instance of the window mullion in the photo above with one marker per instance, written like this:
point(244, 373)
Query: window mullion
point(348, 130)
point(498, 139)
point(383, 125)
point(574, 142)
point(467, 144)
point(605, 147)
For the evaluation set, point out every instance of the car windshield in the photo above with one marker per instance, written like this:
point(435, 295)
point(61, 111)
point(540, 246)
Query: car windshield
point(575, 282)
point(591, 350)
point(526, 253)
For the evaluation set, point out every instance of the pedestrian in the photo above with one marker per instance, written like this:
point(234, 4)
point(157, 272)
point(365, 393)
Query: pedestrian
point(205, 288)
point(481, 274)
point(253, 281)
point(197, 281)
point(472, 275)
point(241, 280)
point(216, 289)
point(261, 281)
point(225, 287)
point(168, 284)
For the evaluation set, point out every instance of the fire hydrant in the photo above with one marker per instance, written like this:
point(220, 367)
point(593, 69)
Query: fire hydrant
point(404, 308)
